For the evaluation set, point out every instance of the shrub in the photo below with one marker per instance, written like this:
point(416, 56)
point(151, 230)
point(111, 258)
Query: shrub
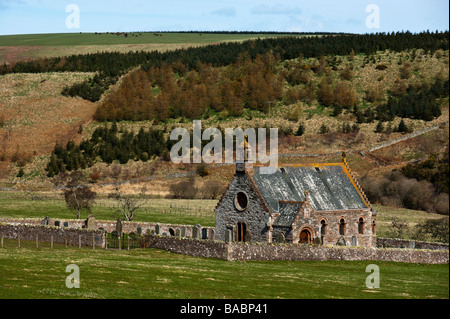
point(301, 130)
point(402, 127)
point(183, 190)
point(324, 129)
point(435, 228)
point(344, 95)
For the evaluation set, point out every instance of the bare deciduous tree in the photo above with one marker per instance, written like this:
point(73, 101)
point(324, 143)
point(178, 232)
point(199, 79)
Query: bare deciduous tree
point(127, 205)
point(77, 195)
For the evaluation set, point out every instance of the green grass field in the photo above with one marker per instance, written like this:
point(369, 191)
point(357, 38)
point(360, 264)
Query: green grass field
point(188, 212)
point(35, 46)
point(29, 272)
point(52, 39)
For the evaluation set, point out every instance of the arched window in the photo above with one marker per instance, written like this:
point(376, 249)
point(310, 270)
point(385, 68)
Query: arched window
point(241, 229)
point(323, 229)
point(361, 226)
point(342, 227)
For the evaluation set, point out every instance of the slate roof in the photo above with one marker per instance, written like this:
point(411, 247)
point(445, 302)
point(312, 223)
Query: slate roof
point(288, 212)
point(330, 187)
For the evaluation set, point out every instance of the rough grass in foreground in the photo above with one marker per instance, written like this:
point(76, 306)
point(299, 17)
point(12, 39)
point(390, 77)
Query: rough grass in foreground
point(31, 272)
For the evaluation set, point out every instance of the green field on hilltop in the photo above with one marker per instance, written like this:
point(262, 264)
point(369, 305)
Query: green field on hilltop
point(29, 272)
point(52, 39)
point(36, 46)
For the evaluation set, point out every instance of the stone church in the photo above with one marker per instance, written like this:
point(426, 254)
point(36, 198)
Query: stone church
point(312, 204)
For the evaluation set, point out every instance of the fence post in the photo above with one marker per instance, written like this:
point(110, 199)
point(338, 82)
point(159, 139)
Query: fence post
point(18, 241)
point(106, 240)
point(93, 241)
point(37, 241)
point(120, 244)
point(79, 241)
point(51, 242)
point(128, 247)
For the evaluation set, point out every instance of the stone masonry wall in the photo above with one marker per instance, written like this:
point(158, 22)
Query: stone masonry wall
point(292, 252)
point(404, 243)
point(68, 236)
point(255, 216)
point(110, 226)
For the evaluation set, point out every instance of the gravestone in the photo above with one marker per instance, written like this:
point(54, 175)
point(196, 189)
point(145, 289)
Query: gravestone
point(45, 221)
point(280, 238)
point(228, 236)
point(66, 224)
point(157, 229)
point(412, 244)
point(183, 231)
point(171, 232)
point(248, 236)
point(91, 222)
point(212, 234)
point(341, 242)
point(119, 227)
point(204, 233)
point(139, 230)
point(196, 232)
point(317, 241)
point(177, 233)
point(56, 223)
point(354, 241)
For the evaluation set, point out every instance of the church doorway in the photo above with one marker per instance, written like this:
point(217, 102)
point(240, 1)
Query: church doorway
point(305, 236)
point(240, 231)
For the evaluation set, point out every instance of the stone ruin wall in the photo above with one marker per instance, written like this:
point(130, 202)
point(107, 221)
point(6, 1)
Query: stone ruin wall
point(57, 235)
point(27, 229)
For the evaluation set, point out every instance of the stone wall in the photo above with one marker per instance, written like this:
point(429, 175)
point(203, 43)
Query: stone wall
point(255, 215)
point(188, 246)
point(321, 253)
point(292, 252)
point(404, 243)
point(110, 226)
point(57, 235)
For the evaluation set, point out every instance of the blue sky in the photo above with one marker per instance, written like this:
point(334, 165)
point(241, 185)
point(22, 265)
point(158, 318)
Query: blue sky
point(49, 16)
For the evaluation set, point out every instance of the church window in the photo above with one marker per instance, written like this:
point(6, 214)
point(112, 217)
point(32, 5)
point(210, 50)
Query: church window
point(241, 201)
point(342, 227)
point(361, 226)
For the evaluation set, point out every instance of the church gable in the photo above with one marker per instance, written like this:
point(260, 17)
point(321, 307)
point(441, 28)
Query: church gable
point(242, 210)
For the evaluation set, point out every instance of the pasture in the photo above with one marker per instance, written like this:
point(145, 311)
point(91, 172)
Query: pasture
point(34, 46)
point(29, 272)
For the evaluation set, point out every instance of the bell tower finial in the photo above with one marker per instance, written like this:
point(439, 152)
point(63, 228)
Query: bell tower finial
point(344, 157)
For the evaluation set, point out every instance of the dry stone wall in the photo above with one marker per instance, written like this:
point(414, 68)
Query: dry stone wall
point(293, 252)
point(56, 235)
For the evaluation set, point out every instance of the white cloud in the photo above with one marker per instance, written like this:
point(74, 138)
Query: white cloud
point(225, 12)
point(277, 9)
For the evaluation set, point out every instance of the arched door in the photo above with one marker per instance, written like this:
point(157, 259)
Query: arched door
point(305, 236)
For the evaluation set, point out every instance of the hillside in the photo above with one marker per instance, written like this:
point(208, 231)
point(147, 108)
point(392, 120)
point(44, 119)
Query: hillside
point(34, 116)
point(25, 47)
